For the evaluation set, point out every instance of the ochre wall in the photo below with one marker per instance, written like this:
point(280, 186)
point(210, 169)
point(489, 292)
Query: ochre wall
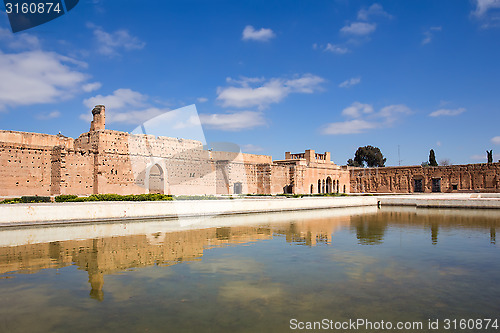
point(107, 161)
point(454, 178)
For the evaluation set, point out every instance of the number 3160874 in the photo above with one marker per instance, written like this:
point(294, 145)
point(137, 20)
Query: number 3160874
point(32, 8)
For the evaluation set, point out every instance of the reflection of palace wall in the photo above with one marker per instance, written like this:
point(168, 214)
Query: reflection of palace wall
point(114, 254)
point(108, 255)
point(120, 253)
point(408, 179)
point(107, 161)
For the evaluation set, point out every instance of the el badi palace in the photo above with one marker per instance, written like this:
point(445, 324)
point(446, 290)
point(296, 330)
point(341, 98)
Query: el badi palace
point(108, 161)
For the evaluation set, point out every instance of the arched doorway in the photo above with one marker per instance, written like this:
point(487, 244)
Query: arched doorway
point(156, 180)
point(237, 189)
point(329, 188)
point(319, 185)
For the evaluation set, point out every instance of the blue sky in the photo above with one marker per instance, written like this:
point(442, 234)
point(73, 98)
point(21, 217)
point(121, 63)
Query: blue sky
point(270, 76)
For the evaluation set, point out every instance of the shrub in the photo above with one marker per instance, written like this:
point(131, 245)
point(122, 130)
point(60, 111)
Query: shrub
point(65, 197)
point(11, 201)
point(114, 197)
point(34, 199)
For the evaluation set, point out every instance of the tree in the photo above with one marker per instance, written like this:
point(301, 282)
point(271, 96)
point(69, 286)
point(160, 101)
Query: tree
point(490, 156)
point(432, 158)
point(371, 156)
point(444, 162)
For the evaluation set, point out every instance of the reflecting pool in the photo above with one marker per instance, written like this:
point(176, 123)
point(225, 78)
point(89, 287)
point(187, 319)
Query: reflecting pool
point(255, 273)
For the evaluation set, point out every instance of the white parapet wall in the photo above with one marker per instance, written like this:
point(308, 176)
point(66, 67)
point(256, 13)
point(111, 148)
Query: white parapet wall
point(48, 213)
point(444, 200)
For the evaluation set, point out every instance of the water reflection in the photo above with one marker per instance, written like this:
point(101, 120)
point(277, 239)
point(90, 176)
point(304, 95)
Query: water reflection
point(102, 256)
point(252, 272)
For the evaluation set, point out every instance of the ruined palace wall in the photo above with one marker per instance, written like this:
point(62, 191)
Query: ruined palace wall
point(321, 172)
point(26, 162)
point(35, 139)
point(124, 161)
point(76, 172)
point(454, 178)
point(24, 170)
point(281, 176)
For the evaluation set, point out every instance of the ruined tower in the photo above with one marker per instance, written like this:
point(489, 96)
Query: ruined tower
point(99, 121)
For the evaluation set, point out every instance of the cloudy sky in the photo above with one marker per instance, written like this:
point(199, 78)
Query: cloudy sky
point(270, 76)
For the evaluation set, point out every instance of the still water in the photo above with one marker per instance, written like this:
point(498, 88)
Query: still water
point(254, 273)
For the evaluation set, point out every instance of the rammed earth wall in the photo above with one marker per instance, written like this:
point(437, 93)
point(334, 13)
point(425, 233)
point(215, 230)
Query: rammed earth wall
point(410, 179)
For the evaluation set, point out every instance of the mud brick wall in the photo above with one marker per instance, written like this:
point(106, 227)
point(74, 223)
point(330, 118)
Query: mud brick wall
point(409, 179)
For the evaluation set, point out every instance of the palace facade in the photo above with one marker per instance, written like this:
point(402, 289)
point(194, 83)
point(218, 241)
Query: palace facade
point(106, 161)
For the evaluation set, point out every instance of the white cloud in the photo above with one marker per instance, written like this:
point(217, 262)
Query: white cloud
point(133, 117)
point(359, 28)
point(366, 118)
point(262, 35)
point(429, 35)
point(268, 92)
point(447, 112)
point(19, 41)
point(192, 121)
point(336, 49)
point(111, 43)
point(483, 6)
point(351, 82)
point(202, 99)
point(495, 140)
point(233, 121)
point(348, 127)
point(374, 10)
point(37, 77)
point(487, 13)
point(50, 115)
point(89, 87)
point(121, 98)
point(357, 109)
point(392, 112)
point(251, 148)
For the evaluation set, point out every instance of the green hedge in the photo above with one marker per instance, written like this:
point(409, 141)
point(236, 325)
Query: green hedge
point(114, 197)
point(26, 199)
point(147, 197)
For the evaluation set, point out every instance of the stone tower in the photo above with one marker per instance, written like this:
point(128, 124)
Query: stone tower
point(99, 121)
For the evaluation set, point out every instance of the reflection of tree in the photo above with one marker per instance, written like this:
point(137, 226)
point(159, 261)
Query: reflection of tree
point(370, 231)
point(434, 233)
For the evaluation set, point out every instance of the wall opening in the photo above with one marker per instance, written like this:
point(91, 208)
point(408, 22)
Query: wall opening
point(237, 188)
point(329, 188)
point(436, 184)
point(156, 180)
point(418, 185)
